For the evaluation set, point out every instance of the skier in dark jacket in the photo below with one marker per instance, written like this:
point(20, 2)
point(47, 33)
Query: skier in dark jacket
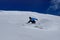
point(32, 20)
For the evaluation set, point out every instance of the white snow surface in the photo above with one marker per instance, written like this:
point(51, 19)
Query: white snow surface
point(13, 26)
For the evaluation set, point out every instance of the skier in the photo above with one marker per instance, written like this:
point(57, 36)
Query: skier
point(32, 20)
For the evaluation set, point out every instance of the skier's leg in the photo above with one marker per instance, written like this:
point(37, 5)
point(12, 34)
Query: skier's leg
point(33, 22)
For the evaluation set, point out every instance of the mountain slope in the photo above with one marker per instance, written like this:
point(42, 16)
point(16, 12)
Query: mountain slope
point(13, 26)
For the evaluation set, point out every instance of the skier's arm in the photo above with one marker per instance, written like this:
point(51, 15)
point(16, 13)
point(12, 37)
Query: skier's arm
point(28, 22)
point(37, 19)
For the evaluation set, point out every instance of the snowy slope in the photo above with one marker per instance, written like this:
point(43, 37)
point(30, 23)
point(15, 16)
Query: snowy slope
point(13, 26)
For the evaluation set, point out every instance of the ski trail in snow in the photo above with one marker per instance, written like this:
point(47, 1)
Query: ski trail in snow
point(45, 24)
